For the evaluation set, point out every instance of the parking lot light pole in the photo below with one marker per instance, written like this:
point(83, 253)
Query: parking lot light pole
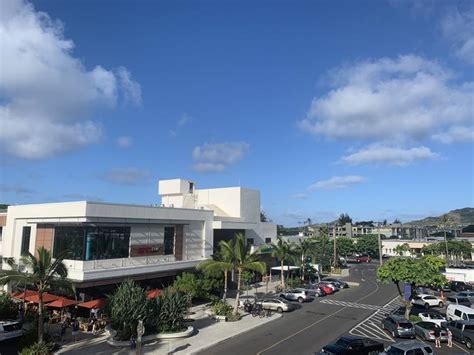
point(380, 243)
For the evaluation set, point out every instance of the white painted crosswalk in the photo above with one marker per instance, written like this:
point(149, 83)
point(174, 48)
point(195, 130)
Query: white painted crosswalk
point(351, 304)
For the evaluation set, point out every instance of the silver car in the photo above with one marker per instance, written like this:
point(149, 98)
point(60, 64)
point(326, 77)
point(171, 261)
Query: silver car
point(467, 294)
point(277, 304)
point(294, 294)
point(311, 292)
point(409, 347)
point(399, 327)
point(425, 330)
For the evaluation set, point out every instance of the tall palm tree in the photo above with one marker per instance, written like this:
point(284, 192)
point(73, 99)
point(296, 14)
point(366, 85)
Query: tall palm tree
point(44, 274)
point(302, 250)
point(222, 262)
point(243, 260)
point(282, 251)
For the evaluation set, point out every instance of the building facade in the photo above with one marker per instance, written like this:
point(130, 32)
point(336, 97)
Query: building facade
point(105, 243)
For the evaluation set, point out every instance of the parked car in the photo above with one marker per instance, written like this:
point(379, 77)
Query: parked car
point(277, 304)
point(363, 259)
point(337, 282)
point(433, 318)
point(425, 330)
point(427, 301)
point(458, 300)
point(327, 290)
point(457, 286)
point(311, 292)
point(352, 345)
point(467, 294)
point(409, 347)
point(459, 312)
point(463, 331)
point(330, 284)
point(318, 291)
point(399, 327)
point(296, 295)
point(385, 256)
point(444, 288)
point(10, 329)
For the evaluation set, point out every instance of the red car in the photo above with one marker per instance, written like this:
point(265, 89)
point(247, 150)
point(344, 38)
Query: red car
point(363, 259)
point(327, 290)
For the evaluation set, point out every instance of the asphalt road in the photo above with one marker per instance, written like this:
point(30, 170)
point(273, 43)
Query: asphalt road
point(307, 330)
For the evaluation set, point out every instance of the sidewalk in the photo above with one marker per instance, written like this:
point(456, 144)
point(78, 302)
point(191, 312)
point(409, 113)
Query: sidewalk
point(208, 332)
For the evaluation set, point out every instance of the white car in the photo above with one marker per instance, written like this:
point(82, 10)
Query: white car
point(10, 329)
point(428, 301)
point(433, 318)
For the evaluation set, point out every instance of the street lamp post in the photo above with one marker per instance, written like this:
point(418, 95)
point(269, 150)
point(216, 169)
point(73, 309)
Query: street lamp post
point(380, 243)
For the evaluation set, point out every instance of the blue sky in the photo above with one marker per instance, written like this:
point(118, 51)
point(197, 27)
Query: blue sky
point(326, 107)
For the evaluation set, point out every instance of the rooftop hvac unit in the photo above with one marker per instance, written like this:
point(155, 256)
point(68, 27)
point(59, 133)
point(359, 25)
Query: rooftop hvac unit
point(171, 205)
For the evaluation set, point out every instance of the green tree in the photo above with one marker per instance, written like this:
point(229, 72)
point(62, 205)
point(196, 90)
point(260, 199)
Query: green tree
point(345, 246)
point(7, 307)
point(368, 244)
point(282, 251)
point(416, 272)
point(43, 274)
point(221, 262)
point(343, 219)
point(401, 249)
point(322, 251)
point(243, 260)
point(302, 251)
point(172, 307)
point(128, 305)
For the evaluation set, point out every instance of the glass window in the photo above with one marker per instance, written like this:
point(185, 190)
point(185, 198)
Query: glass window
point(169, 240)
point(25, 240)
point(69, 240)
point(250, 241)
point(268, 240)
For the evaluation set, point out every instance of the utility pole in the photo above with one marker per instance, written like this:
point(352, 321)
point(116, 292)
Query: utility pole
point(335, 248)
point(446, 245)
point(380, 243)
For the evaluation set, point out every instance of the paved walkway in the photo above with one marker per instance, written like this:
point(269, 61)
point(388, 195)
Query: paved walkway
point(208, 332)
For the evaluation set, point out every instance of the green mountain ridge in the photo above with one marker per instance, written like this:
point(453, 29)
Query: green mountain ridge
point(462, 216)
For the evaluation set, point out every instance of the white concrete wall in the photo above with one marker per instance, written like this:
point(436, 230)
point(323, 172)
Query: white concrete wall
point(454, 274)
point(173, 186)
point(227, 199)
point(250, 205)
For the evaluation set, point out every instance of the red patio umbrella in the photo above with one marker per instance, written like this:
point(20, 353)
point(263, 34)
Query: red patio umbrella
point(153, 293)
point(47, 297)
point(61, 303)
point(21, 295)
point(100, 303)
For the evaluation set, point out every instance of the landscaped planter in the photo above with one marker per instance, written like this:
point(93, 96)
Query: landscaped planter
point(112, 332)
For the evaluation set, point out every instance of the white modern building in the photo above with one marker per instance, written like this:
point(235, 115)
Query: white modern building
point(106, 243)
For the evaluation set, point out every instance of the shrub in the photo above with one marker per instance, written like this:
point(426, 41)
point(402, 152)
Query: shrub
point(172, 307)
point(294, 282)
point(222, 308)
point(233, 317)
point(38, 349)
point(197, 286)
point(7, 307)
point(415, 318)
point(128, 305)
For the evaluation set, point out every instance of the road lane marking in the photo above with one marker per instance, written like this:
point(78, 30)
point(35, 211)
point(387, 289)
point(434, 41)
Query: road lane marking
point(351, 304)
point(320, 320)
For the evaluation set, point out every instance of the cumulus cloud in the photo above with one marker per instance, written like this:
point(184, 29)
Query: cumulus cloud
point(124, 141)
point(299, 196)
point(217, 157)
point(458, 27)
point(337, 182)
point(406, 98)
point(457, 134)
point(125, 176)
point(377, 153)
point(47, 96)
point(183, 121)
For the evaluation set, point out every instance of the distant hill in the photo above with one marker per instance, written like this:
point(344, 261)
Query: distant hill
point(462, 216)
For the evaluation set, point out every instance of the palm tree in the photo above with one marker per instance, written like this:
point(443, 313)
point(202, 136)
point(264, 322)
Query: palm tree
point(243, 260)
point(446, 222)
point(282, 251)
point(222, 262)
point(43, 274)
point(302, 251)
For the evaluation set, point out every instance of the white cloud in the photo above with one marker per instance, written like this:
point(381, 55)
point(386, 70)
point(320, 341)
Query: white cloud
point(299, 196)
point(337, 182)
point(125, 176)
point(407, 98)
point(217, 157)
point(131, 89)
point(458, 27)
point(183, 121)
point(456, 134)
point(16, 189)
point(377, 153)
point(47, 96)
point(124, 142)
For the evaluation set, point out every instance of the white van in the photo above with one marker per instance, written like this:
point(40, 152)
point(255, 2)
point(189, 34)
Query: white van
point(459, 312)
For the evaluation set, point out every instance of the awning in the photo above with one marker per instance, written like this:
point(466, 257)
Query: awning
point(153, 293)
point(47, 297)
point(61, 303)
point(27, 293)
point(100, 303)
point(286, 268)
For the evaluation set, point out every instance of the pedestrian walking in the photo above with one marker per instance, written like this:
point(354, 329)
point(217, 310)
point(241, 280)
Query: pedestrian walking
point(64, 325)
point(75, 329)
point(437, 334)
point(450, 338)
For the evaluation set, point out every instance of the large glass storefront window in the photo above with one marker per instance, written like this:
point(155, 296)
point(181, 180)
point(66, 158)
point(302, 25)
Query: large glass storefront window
point(169, 240)
point(92, 242)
